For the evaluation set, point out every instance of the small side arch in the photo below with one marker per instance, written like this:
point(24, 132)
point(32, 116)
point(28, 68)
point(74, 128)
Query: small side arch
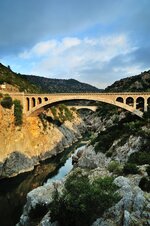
point(27, 103)
point(120, 99)
point(32, 102)
point(130, 101)
point(140, 103)
point(148, 104)
point(39, 100)
point(45, 99)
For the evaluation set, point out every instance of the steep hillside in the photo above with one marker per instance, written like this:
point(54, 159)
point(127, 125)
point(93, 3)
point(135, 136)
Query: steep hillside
point(36, 84)
point(61, 85)
point(16, 80)
point(135, 83)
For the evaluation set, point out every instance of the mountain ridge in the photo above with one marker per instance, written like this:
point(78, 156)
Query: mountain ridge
point(136, 83)
point(40, 84)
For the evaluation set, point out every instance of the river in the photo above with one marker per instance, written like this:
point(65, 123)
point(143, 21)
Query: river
point(13, 191)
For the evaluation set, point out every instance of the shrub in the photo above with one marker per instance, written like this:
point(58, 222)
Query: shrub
point(7, 102)
point(130, 168)
point(140, 158)
point(54, 112)
point(83, 202)
point(43, 118)
point(38, 211)
point(18, 112)
point(145, 184)
point(115, 167)
point(148, 170)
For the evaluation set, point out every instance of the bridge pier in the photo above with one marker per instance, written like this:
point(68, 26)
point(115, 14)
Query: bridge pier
point(145, 105)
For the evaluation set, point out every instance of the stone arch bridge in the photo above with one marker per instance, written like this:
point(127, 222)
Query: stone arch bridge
point(136, 103)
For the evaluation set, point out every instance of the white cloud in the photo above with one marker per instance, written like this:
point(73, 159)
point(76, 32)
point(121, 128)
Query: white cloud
point(78, 58)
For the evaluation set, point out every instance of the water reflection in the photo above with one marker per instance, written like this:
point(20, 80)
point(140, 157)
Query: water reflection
point(64, 169)
point(13, 191)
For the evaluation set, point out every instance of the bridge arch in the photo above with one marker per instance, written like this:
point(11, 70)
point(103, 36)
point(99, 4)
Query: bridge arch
point(130, 101)
point(45, 99)
point(148, 103)
point(120, 99)
point(39, 100)
point(58, 98)
point(140, 103)
point(33, 102)
point(27, 104)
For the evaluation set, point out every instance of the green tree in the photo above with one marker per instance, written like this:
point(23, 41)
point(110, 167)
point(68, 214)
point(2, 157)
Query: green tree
point(18, 112)
point(7, 102)
point(82, 202)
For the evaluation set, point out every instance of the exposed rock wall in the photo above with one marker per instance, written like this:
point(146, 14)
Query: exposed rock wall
point(23, 147)
point(134, 205)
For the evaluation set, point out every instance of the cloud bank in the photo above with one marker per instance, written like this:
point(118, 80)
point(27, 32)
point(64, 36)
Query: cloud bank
point(95, 41)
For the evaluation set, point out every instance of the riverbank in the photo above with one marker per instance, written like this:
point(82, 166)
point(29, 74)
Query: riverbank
point(22, 148)
point(118, 152)
point(13, 190)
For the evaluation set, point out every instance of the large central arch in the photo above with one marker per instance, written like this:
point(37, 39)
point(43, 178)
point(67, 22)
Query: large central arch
point(53, 99)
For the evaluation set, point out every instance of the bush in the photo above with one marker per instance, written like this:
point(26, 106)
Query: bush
point(145, 184)
point(7, 102)
point(130, 168)
point(115, 167)
point(38, 211)
point(140, 158)
point(18, 112)
point(148, 170)
point(54, 112)
point(82, 202)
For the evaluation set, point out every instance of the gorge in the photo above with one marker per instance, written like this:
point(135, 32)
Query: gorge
point(115, 157)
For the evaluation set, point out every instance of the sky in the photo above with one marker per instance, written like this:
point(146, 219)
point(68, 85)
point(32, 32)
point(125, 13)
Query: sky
point(93, 41)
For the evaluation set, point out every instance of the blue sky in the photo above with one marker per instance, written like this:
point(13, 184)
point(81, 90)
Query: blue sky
point(94, 41)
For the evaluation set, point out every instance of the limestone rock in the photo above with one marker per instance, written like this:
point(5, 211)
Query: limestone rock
point(39, 196)
point(16, 163)
point(91, 160)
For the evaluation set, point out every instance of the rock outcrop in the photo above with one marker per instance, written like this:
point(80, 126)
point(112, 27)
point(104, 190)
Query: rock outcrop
point(134, 205)
point(132, 209)
point(23, 147)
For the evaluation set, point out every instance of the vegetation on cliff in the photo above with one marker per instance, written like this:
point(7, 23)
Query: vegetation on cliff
point(137, 83)
point(83, 201)
point(37, 84)
point(50, 85)
point(18, 113)
point(17, 80)
point(6, 101)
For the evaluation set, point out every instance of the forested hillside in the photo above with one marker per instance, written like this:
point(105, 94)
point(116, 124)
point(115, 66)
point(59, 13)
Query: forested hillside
point(50, 85)
point(17, 80)
point(135, 83)
point(36, 84)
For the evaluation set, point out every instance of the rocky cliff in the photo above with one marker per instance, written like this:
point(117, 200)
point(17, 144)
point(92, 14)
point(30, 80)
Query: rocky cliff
point(21, 148)
point(113, 157)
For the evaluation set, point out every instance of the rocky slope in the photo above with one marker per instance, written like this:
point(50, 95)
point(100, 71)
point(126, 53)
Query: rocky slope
point(134, 205)
point(23, 147)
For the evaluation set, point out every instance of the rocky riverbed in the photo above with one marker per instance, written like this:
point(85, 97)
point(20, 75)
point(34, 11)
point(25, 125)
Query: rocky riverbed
point(134, 205)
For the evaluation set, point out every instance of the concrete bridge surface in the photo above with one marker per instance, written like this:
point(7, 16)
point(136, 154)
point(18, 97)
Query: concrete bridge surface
point(134, 102)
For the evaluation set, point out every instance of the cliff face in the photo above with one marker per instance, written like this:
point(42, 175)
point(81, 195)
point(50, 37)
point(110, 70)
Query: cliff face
point(96, 162)
point(23, 147)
